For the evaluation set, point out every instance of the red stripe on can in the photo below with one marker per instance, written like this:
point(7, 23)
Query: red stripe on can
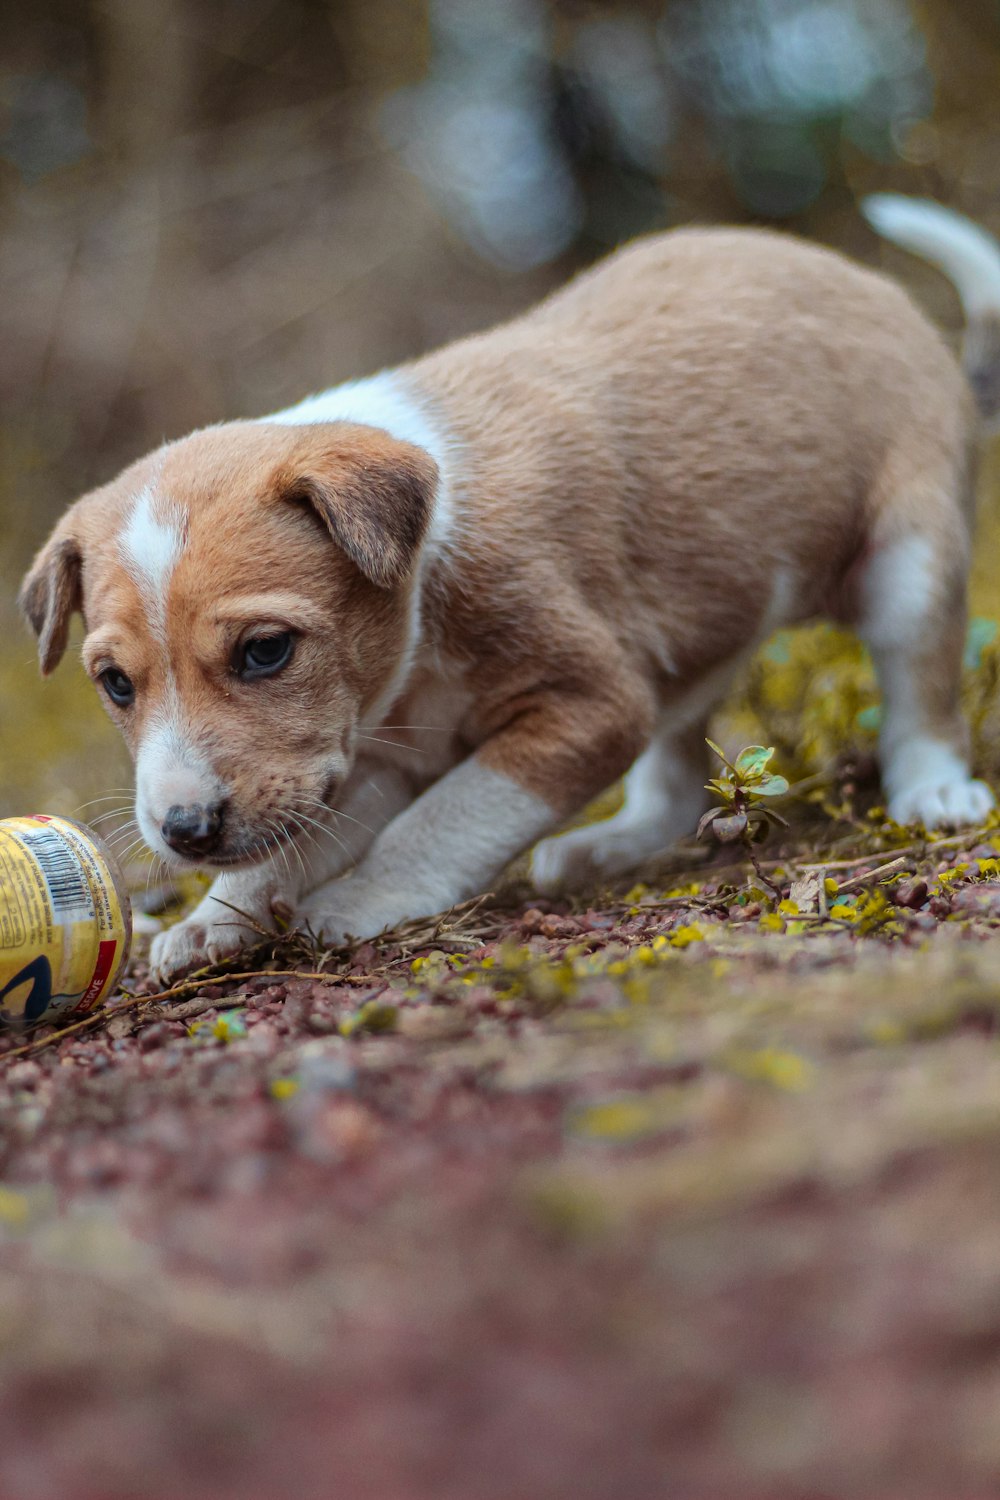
point(105, 960)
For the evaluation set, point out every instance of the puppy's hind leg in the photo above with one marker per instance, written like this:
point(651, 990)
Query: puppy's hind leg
point(913, 612)
point(664, 796)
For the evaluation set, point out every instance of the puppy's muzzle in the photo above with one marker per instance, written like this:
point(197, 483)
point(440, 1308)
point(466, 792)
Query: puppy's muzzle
point(194, 831)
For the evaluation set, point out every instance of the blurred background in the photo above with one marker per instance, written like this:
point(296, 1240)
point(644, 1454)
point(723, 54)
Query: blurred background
point(209, 208)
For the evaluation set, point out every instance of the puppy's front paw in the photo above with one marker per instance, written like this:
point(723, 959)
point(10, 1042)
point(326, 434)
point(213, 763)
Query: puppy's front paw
point(956, 803)
point(353, 907)
point(585, 856)
point(193, 943)
point(215, 930)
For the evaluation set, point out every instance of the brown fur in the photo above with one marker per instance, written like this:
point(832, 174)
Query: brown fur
point(665, 433)
point(637, 465)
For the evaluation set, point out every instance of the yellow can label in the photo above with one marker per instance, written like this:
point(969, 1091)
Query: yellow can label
point(64, 936)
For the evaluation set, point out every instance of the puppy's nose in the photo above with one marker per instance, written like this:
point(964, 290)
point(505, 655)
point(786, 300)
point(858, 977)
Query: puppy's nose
point(193, 830)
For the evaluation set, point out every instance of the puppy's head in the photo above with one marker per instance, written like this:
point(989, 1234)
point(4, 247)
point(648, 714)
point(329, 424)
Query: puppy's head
point(248, 598)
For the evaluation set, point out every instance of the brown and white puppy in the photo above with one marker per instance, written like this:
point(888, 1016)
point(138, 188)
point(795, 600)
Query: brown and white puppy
point(366, 650)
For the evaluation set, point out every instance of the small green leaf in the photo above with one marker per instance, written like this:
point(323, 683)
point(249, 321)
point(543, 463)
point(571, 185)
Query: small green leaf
point(718, 750)
point(770, 786)
point(753, 760)
point(724, 789)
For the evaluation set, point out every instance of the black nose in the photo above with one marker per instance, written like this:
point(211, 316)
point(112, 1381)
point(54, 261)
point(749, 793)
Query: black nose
point(193, 830)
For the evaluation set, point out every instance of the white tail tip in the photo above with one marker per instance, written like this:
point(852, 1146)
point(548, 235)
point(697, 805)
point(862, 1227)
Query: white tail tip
point(967, 254)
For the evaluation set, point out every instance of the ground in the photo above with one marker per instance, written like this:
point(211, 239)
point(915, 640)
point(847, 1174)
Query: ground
point(686, 1193)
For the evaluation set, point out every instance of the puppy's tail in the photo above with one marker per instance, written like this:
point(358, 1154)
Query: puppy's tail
point(970, 258)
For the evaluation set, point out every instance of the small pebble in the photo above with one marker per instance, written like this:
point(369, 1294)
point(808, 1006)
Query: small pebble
point(159, 1034)
point(559, 927)
point(25, 1075)
point(911, 893)
point(433, 1023)
point(326, 1068)
point(322, 1023)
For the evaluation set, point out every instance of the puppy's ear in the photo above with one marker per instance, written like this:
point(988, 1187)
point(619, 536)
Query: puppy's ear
point(49, 595)
point(374, 496)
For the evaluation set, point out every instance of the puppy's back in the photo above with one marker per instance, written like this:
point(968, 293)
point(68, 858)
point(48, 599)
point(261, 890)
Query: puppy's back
point(705, 404)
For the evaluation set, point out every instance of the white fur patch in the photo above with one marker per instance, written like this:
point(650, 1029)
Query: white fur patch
point(897, 592)
point(783, 603)
point(150, 546)
point(169, 771)
point(449, 844)
point(926, 779)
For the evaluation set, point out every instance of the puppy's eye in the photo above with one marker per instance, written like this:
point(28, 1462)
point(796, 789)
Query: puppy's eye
point(118, 687)
point(264, 655)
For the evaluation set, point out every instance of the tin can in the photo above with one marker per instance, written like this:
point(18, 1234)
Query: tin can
point(65, 920)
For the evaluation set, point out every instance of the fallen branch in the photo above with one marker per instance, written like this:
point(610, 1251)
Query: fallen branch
point(921, 848)
point(866, 876)
point(175, 992)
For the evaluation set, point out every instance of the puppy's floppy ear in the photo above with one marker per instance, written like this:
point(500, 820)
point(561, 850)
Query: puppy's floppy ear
point(49, 595)
point(374, 495)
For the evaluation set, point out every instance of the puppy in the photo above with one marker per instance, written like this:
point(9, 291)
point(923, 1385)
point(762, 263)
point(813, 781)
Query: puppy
point(366, 650)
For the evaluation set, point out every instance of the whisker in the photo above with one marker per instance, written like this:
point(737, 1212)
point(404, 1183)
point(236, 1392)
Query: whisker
point(300, 822)
point(302, 865)
point(373, 739)
point(121, 791)
point(285, 845)
point(316, 826)
point(129, 834)
point(115, 812)
point(114, 837)
point(338, 812)
point(156, 867)
point(278, 843)
point(117, 840)
point(268, 839)
point(130, 822)
point(295, 848)
point(124, 855)
point(330, 832)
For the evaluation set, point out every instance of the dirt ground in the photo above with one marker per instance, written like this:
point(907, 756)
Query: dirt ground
point(683, 1195)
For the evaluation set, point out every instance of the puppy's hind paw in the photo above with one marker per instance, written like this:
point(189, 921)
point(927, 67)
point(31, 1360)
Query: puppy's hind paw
point(957, 803)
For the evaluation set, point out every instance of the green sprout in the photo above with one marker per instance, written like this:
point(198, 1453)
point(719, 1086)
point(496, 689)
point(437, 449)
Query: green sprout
point(743, 813)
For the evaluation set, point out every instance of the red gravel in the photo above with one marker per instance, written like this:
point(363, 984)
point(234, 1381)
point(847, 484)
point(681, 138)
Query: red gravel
point(397, 1266)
